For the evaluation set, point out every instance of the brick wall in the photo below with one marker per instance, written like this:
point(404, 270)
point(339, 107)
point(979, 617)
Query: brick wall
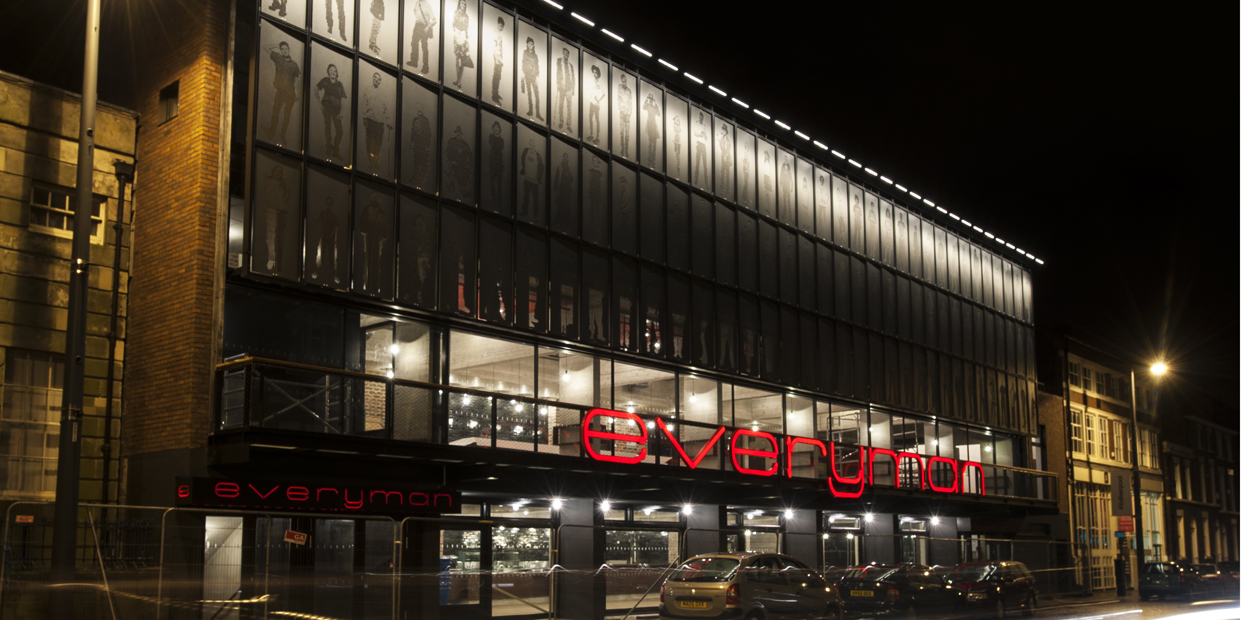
point(172, 309)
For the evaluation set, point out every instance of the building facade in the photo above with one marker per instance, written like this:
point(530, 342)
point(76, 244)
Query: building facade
point(1201, 473)
point(465, 254)
point(39, 129)
point(1086, 401)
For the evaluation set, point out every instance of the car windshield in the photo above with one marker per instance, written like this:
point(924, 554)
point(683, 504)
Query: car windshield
point(974, 573)
point(706, 569)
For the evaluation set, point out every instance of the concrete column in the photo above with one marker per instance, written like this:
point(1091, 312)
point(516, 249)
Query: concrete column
point(701, 534)
point(943, 547)
point(801, 538)
point(579, 591)
point(877, 540)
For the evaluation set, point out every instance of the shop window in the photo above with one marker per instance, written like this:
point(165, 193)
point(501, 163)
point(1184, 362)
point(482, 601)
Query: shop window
point(757, 410)
point(491, 365)
point(569, 377)
point(521, 510)
point(52, 211)
point(29, 429)
point(645, 391)
point(698, 400)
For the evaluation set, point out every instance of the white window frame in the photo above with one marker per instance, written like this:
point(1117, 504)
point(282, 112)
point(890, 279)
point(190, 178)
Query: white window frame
point(44, 212)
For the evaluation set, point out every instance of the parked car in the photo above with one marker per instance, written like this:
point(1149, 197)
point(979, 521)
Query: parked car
point(764, 586)
point(1217, 579)
point(896, 590)
point(995, 587)
point(1164, 579)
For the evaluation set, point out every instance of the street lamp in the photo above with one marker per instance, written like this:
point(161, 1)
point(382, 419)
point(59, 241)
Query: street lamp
point(1157, 369)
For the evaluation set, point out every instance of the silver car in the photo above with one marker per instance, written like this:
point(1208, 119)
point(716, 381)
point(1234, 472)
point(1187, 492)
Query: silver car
point(745, 586)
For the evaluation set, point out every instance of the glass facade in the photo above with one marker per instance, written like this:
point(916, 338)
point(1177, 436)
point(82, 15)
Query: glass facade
point(640, 220)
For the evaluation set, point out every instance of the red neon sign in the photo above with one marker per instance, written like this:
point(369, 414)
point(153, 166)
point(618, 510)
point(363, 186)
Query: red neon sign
point(737, 452)
point(235, 493)
point(641, 438)
point(683, 453)
point(865, 466)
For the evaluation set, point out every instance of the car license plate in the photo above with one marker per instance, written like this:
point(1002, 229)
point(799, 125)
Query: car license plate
point(861, 593)
point(693, 604)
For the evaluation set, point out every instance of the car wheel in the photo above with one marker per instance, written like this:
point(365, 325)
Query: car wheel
point(1030, 606)
point(831, 612)
point(999, 609)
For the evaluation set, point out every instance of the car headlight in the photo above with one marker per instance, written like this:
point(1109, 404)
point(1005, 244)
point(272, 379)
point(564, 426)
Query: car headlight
point(977, 596)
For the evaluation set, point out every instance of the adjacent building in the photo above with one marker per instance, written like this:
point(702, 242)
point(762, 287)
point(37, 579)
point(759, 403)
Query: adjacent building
point(39, 129)
point(1086, 404)
point(1201, 472)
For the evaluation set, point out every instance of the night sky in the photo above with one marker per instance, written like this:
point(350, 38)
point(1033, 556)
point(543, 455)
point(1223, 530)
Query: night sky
point(1101, 138)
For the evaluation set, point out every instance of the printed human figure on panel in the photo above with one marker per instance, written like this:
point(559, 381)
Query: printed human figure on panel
point(652, 125)
point(285, 82)
point(530, 69)
point(496, 164)
point(376, 107)
point(533, 172)
point(420, 140)
point(625, 112)
point(566, 86)
point(726, 157)
point(276, 199)
point(497, 56)
point(332, 92)
point(424, 20)
point(700, 168)
point(457, 177)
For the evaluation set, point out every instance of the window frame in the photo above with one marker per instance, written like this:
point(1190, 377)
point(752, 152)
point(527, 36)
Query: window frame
point(69, 194)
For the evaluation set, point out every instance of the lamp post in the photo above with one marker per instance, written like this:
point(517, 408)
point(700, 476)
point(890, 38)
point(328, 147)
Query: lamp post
point(66, 509)
point(1157, 369)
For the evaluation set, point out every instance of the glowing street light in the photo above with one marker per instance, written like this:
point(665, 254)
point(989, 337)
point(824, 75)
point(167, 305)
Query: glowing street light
point(1159, 368)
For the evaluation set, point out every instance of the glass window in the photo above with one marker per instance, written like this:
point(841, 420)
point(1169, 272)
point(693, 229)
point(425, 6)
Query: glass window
point(644, 391)
point(846, 425)
point(698, 400)
point(655, 513)
point(1078, 432)
point(800, 421)
point(881, 430)
point(570, 377)
point(1074, 374)
point(31, 415)
point(758, 410)
point(491, 364)
point(1087, 378)
point(521, 510)
point(1089, 435)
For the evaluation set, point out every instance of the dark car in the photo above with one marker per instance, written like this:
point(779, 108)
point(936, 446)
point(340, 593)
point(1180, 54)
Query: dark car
point(747, 586)
point(1217, 578)
point(895, 590)
point(1164, 579)
point(995, 587)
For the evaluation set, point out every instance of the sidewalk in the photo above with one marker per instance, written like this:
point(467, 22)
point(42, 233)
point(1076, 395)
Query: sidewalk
point(1046, 601)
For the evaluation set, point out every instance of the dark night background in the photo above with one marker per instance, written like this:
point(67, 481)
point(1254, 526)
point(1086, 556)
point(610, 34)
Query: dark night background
point(1101, 137)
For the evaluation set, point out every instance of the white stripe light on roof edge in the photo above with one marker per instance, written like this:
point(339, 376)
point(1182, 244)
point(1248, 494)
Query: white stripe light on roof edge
point(837, 154)
point(786, 127)
point(855, 162)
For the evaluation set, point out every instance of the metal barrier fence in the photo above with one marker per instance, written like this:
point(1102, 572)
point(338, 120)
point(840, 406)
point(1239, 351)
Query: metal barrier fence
point(257, 393)
point(182, 563)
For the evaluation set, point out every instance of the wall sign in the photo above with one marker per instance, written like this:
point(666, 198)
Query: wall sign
point(253, 494)
point(850, 485)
